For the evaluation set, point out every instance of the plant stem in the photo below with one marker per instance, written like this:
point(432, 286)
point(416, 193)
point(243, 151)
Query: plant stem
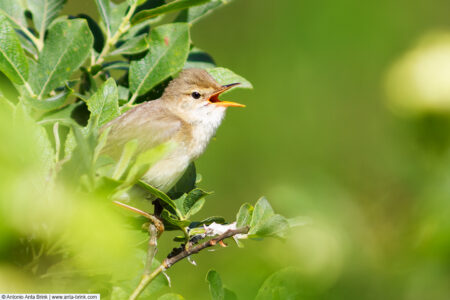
point(151, 251)
point(37, 42)
point(157, 222)
point(29, 89)
point(122, 28)
point(168, 262)
point(146, 279)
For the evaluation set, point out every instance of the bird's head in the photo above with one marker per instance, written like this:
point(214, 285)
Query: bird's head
point(195, 94)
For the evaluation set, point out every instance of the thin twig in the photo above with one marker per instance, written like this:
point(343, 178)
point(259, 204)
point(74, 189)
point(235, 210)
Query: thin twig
point(157, 222)
point(168, 262)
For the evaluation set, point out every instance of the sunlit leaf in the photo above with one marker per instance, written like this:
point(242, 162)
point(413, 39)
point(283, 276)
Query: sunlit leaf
point(160, 195)
point(274, 226)
point(118, 11)
point(244, 215)
point(163, 9)
point(44, 12)
point(104, 104)
point(14, 11)
point(127, 154)
point(50, 103)
point(191, 200)
point(225, 76)
point(261, 212)
point(173, 220)
point(97, 33)
point(67, 46)
point(169, 46)
point(132, 46)
point(13, 62)
point(145, 160)
point(104, 9)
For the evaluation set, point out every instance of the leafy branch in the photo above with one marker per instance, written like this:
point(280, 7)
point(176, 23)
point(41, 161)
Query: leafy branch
point(169, 262)
point(123, 27)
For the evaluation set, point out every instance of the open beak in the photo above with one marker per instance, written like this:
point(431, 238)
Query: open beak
point(214, 98)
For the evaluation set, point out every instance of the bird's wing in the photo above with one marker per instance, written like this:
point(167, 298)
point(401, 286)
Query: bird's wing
point(149, 123)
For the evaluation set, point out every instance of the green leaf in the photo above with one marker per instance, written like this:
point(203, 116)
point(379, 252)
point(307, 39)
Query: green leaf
point(44, 12)
point(199, 59)
point(104, 10)
point(124, 288)
point(191, 199)
point(195, 13)
point(70, 144)
point(6, 105)
point(81, 156)
point(169, 46)
point(62, 115)
point(244, 215)
point(157, 193)
point(97, 32)
point(14, 11)
point(163, 9)
point(185, 184)
point(67, 46)
point(127, 154)
point(47, 154)
point(225, 76)
point(215, 285)
point(274, 226)
point(209, 220)
point(145, 160)
point(173, 220)
point(28, 45)
point(50, 103)
point(102, 139)
point(229, 294)
point(284, 284)
point(261, 212)
point(13, 62)
point(171, 296)
point(196, 208)
point(118, 11)
point(123, 93)
point(134, 45)
point(104, 104)
point(116, 65)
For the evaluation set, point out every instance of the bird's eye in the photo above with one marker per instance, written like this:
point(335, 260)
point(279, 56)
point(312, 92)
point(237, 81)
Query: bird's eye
point(196, 95)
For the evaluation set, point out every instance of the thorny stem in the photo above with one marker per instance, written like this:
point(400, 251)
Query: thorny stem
point(112, 40)
point(168, 262)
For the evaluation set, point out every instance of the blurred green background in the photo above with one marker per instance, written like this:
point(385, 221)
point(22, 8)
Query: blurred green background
point(320, 139)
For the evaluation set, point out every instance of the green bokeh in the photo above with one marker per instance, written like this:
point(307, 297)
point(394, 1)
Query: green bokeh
point(318, 140)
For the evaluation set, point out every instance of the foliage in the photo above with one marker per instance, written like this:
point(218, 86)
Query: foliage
point(71, 76)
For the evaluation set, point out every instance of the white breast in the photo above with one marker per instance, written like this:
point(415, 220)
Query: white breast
point(166, 172)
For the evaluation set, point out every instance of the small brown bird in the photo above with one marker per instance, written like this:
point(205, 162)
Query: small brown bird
point(188, 114)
